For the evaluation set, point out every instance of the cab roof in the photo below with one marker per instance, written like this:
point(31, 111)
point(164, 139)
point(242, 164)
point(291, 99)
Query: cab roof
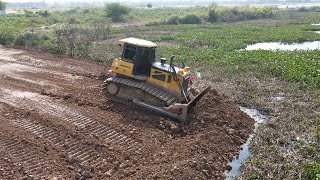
point(137, 42)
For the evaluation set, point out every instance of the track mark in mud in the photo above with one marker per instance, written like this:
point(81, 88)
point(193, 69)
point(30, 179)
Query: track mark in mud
point(74, 148)
point(14, 68)
point(22, 79)
point(42, 63)
point(34, 164)
point(63, 113)
point(6, 54)
point(89, 126)
point(11, 71)
point(112, 136)
point(108, 134)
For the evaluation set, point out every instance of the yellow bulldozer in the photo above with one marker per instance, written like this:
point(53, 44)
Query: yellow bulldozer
point(137, 79)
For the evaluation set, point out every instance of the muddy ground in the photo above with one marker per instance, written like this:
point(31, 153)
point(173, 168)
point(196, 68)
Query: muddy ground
point(56, 123)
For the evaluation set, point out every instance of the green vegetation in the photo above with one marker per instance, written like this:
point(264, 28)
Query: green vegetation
point(238, 14)
point(312, 171)
point(174, 20)
point(309, 9)
point(217, 44)
point(44, 14)
point(191, 19)
point(2, 5)
point(188, 19)
point(214, 14)
point(220, 45)
point(116, 12)
point(160, 14)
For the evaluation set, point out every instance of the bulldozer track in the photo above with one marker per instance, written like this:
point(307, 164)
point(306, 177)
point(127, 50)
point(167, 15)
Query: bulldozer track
point(155, 91)
point(74, 148)
point(88, 125)
point(34, 164)
point(64, 113)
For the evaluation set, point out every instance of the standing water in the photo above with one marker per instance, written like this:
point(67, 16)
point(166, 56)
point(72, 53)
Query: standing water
point(314, 45)
point(245, 152)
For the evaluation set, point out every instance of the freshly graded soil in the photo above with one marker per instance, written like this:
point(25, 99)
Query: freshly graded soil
point(56, 123)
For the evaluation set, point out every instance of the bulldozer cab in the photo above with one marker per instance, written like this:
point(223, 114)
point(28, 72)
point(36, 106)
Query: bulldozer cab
point(141, 53)
point(141, 57)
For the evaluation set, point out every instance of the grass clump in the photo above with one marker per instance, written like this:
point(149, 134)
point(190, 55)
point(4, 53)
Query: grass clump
point(312, 171)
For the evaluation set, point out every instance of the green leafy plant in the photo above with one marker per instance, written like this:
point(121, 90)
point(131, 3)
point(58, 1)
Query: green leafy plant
point(116, 11)
point(312, 171)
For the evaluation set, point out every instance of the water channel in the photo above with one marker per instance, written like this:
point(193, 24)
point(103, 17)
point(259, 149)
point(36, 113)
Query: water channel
point(245, 151)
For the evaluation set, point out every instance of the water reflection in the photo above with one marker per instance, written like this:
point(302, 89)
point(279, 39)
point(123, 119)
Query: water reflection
point(245, 152)
point(315, 45)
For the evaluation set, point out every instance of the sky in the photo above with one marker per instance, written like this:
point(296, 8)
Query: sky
point(21, 0)
point(48, 1)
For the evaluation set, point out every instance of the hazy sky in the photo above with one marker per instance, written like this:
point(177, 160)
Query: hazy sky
point(48, 1)
point(62, 1)
point(21, 0)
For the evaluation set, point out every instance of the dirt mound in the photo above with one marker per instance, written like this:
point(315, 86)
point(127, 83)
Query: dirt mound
point(202, 148)
point(55, 109)
point(217, 110)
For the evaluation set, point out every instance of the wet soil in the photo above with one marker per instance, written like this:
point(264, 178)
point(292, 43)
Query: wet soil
point(56, 123)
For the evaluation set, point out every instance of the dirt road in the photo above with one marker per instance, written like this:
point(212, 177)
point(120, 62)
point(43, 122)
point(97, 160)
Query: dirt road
point(56, 123)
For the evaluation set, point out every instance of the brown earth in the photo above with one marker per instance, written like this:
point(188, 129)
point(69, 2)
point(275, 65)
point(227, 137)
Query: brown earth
point(56, 123)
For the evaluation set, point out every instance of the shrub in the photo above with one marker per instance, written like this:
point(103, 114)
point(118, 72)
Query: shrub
point(115, 11)
point(101, 29)
point(213, 16)
point(28, 13)
point(6, 37)
point(174, 20)
point(86, 11)
point(309, 9)
point(238, 14)
point(72, 21)
point(71, 11)
point(77, 41)
point(2, 5)
point(44, 14)
point(264, 13)
point(53, 47)
point(191, 19)
point(28, 39)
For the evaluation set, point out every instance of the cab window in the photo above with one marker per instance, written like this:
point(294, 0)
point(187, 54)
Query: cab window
point(160, 77)
point(129, 52)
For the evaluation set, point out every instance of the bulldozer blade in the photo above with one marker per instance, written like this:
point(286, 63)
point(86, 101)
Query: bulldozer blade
point(176, 111)
point(193, 102)
point(181, 118)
